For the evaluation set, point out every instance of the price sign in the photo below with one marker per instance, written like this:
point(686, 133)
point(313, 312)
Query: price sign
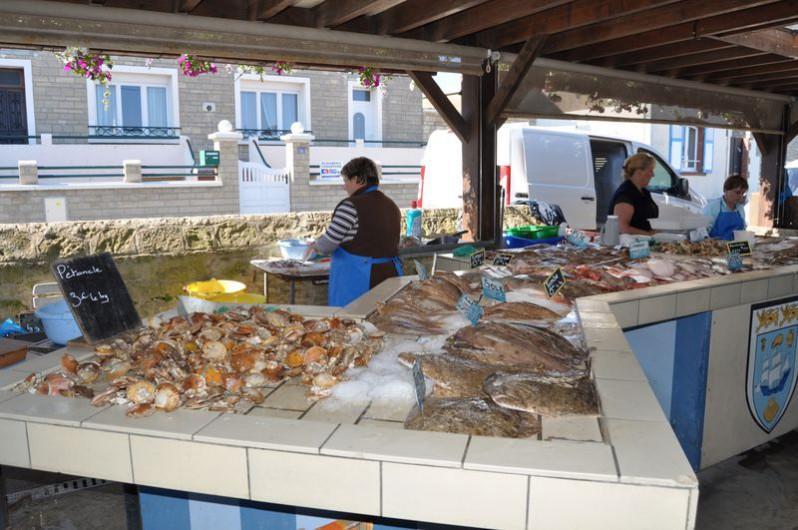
point(493, 289)
point(477, 258)
point(554, 282)
point(419, 384)
point(96, 295)
point(639, 249)
point(502, 258)
point(740, 247)
point(470, 309)
point(734, 261)
point(423, 273)
point(577, 238)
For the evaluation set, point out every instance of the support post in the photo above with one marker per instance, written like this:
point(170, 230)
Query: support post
point(28, 172)
point(441, 103)
point(297, 161)
point(480, 195)
point(225, 140)
point(132, 171)
point(511, 82)
point(772, 206)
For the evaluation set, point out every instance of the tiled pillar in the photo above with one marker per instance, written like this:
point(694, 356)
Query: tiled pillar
point(225, 140)
point(297, 160)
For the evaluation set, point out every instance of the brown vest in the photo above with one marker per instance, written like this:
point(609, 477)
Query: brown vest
point(379, 225)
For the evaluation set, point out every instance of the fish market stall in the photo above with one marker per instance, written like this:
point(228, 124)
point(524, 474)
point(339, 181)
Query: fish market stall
point(506, 439)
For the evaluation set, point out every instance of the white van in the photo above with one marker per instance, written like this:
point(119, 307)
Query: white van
point(576, 170)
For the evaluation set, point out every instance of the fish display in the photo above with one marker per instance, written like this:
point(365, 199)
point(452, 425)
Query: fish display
point(519, 311)
point(219, 362)
point(475, 416)
point(565, 394)
point(453, 377)
point(512, 345)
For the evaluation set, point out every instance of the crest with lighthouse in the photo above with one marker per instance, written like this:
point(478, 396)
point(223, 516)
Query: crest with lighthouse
point(771, 374)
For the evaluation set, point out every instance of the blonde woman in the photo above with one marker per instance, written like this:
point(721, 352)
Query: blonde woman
point(632, 202)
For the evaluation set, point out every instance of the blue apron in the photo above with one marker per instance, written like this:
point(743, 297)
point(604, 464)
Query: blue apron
point(725, 225)
point(350, 274)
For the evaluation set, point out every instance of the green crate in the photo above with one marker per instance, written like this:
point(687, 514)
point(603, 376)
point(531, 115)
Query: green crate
point(534, 231)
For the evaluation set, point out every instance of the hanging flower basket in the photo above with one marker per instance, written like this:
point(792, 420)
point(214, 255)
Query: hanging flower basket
point(193, 67)
point(369, 77)
point(282, 68)
point(84, 63)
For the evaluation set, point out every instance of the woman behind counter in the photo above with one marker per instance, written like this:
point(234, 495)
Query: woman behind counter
point(632, 202)
point(363, 236)
point(727, 211)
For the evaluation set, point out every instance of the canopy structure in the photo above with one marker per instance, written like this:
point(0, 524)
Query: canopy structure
point(717, 63)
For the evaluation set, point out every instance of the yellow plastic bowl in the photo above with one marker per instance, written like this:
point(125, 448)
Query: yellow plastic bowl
point(239, 298)
point(208, 289)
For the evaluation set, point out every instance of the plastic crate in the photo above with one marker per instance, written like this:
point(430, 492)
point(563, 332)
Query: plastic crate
point(520, 242)
point(534, 231)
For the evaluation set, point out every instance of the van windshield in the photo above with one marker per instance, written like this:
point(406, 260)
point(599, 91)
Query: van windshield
point(664, 179)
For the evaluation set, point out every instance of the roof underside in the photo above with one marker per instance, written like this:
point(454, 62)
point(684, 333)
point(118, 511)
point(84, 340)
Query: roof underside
point(746, 44)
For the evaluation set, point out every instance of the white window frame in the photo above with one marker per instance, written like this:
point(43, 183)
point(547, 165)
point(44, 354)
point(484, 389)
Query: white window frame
point(25, 66)
point(143, 77)
point(688, 164)
point(376, 100)
point(278, 84)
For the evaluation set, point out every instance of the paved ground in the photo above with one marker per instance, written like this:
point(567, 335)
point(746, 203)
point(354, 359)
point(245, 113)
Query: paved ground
point(757, 490)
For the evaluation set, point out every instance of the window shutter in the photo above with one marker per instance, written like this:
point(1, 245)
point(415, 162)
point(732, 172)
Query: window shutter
point(677, 145)
point(709, 149)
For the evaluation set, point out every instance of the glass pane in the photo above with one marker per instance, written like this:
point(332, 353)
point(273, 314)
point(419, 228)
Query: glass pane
point(156, 106)
point(106, 105)
point(249, 111)
point(663, 178)
point(11, 77)
point(361, 95)
point(131, 106)
point(289, 110)
point(692, 146)
point(359, 126)
point(268, 111)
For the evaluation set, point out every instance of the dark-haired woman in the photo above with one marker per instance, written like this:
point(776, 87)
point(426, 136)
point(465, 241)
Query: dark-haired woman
point(727, 211)
point(363, 236)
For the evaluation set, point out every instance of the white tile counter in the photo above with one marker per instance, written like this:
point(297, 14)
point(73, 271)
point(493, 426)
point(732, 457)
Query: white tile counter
point(622, 469)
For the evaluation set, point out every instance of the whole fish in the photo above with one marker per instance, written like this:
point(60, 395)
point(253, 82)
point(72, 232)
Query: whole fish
point(566, 394)
point(472, 416)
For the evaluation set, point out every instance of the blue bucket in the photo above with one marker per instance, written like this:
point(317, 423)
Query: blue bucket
point(58, 322)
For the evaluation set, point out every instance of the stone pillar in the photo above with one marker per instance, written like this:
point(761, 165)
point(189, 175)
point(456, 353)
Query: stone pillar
point(297, 161)
point(28, 172)
point(132, 171)
point(225, 140)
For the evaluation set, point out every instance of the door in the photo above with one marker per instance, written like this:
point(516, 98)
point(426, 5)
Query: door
point(13, 116)
point(363, 115)
point(559, 170)
point(608, 159)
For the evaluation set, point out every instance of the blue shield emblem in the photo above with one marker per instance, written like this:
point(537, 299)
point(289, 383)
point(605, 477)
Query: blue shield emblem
point(771, 374)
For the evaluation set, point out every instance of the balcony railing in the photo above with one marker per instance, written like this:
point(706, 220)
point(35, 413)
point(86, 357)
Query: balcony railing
point(266, 134)
point(114, 131)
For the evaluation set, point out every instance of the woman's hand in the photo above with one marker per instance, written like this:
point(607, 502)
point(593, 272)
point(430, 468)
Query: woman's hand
point(310, 251)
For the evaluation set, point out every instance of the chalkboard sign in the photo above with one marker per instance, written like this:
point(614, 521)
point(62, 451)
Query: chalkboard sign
point(96, 295)
point(740, 247)
point(554, 282)
point(502, 258)
point(477, 258)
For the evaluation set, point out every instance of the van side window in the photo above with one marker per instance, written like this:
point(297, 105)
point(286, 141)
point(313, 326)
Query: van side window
point(664, 180)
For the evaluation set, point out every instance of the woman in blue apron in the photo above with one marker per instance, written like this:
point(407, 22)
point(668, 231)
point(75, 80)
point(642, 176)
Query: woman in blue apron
point(363, 236)
point(727, 211)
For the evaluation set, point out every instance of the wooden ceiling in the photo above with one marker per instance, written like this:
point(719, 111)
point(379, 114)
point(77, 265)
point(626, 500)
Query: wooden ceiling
point(740, 43)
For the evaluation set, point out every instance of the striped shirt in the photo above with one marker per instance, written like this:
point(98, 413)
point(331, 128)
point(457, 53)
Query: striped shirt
point(342, 229)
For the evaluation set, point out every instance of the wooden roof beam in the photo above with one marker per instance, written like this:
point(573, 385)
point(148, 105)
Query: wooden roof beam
point(652, 19)
point(775, 81)
point(331, 13)
point(187, 6)
point(730, 65)
point(792, 132)
point(438, 99)
point(481, 17)
point(755, 73)
point(670, 51)
point(266, 9)
point(413, 14)
point(775, 13)
point(708, 58)
point(518, 70)
point(577, 14)
point(772, 40)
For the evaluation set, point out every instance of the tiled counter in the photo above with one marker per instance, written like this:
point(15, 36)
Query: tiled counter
point(631, 473)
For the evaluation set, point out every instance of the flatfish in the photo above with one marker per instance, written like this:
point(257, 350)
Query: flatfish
point(523, 311)
point(472, 416)
point(522, 347)
point(454, 377)
point(544, 395)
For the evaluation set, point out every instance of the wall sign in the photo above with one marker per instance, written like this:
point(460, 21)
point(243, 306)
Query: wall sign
point(771, 371)
point(330, 170)
point(96, 295)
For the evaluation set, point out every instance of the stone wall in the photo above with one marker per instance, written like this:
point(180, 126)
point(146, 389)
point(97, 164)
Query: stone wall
point(157, 257)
